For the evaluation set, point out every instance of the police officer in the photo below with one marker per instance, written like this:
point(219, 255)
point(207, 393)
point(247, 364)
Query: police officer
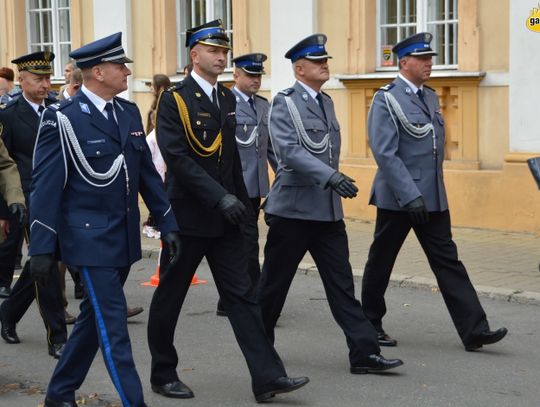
point(406, 135)
point(90, 164)
point(195, 133)
point(254, 149)
point(303, 209)
point(19, 122)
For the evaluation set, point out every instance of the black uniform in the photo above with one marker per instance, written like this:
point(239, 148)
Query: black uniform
point(195, 185)
point(20, 124)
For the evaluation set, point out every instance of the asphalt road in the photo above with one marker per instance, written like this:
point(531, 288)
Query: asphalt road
point(437, 371)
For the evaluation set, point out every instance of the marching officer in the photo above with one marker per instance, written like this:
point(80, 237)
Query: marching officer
point(303, 209)
point(406, 135)
point(195, 133)
point(19, 122)
point(90, 164)
point(253, 147)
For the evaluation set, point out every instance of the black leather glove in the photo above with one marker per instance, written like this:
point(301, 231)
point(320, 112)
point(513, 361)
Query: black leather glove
point(233, 209)
point(343, 185)
point(19, 211)
point(41, 267)
point(172, 240)
point(417, 211)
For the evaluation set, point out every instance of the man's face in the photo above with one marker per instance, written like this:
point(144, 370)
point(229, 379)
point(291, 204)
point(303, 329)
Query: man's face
point(35, 87)
point(247, 83)
point(315, 71)
point(67, 71)
point(5, 86)
point(417, 69)
point(210, 60)
point(113, 76)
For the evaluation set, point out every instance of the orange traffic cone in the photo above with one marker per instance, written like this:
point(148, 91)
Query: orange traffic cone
point(154, 280)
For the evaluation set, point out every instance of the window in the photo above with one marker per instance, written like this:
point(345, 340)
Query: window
point(48, 28)
point(192, 13)
point(399, 19)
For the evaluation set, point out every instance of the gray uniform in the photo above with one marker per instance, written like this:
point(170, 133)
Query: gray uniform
point(299, 190)
point(409, 167)
point(254, 157)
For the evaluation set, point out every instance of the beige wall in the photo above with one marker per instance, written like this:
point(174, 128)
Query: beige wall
point(494, 35)
point(493, 129)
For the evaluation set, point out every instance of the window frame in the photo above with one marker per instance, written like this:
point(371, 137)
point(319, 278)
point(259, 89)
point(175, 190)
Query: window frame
point(421, 25)
point(209, 15)
point(55, 44)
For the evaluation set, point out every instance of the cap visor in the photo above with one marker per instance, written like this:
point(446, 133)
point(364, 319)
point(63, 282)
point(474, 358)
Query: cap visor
point(422, 53)
point(253, 72)
point(316, 57)
point(123, 60)
point(214, 43)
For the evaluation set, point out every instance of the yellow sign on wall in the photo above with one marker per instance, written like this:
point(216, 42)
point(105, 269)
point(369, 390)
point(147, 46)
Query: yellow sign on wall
point(533, 21)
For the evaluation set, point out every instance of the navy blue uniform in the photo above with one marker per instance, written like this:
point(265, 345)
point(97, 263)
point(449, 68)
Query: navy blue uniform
point(96, 229)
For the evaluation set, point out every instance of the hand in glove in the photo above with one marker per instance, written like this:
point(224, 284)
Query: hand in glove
point(172, 241)
point(41, 267)
point(417, 211)
point(19, 211)
point(343, 185)
point(232, 208)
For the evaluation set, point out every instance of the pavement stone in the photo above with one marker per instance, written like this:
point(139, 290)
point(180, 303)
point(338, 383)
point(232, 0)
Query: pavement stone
point(502, 265)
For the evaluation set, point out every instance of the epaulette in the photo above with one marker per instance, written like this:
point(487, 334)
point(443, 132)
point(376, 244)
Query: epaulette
point(287, 91)
point(388, 86)
point(324, 93)
point(60, 105)
point(426, 86)
point(2, 106)
point(261, 97)
point(9, 104)
point(176, 86)
point(119, 99)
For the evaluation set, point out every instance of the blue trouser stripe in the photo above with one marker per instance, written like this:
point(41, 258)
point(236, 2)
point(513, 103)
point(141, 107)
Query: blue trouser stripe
point(104, 337)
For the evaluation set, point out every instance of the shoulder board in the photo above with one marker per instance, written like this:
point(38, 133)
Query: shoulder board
point(388, 86)
point(287, 91)
point(51, 99)
point(176, 86)
point(3, 106)
point(9, 104)
point(261, 97)
point(119, 99)
point(425, 86)
point(324, 93)
point(60, 105)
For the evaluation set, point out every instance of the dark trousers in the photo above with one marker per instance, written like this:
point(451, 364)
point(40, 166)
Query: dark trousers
point(250, 230)
point(435, 237)
point(227, 263)
point(49, 301)
point(8, 251)
point(102, 323)
point(287, 242)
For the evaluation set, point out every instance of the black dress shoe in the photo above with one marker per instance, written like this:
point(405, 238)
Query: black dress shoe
point(53, 403)
point(175, 390)
point(4, 292)
point(131, 312)
point(385, 340)
point(282, 384)
point(486, 338)
point(375, 363)
point(56, 349)
point(7, 331)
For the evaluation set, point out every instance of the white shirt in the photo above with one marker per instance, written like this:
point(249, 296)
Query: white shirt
point(310, 91)
point(98, 102)
point(157, 158)
point(413, 87)
point(204, 84)
point(35, 106)
point(65, 93)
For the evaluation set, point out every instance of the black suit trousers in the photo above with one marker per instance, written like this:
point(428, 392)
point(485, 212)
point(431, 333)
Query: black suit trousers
point(435, 237)
point(8, 251)
point(287, 242)
point(228, 265)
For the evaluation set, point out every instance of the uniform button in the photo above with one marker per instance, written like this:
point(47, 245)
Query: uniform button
point(87, 225)
point(98, 152)
point(127, 209)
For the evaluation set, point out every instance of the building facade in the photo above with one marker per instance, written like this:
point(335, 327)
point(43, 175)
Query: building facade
point(484, 75)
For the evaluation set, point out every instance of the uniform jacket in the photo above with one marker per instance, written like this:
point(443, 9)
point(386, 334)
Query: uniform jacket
point(20, 125)
point(10, 182)
point(300, 189)
point(196, 184)
point(408, 167)
point(255, 157)
point(94, 226)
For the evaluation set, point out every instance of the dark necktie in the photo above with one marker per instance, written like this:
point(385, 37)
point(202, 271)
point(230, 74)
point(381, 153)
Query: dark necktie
point(319, 99)
point(40, 109)
point(252, 104)
point(420, 95)
point(214, 98)
point(113, 126)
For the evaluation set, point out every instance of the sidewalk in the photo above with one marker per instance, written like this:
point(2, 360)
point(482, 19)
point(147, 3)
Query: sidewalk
point(501, 265)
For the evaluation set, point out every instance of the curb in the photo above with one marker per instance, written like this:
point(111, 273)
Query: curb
point(421, 283)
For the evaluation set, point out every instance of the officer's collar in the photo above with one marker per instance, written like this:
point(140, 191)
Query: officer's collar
point(244, 96)
point(204, 84)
